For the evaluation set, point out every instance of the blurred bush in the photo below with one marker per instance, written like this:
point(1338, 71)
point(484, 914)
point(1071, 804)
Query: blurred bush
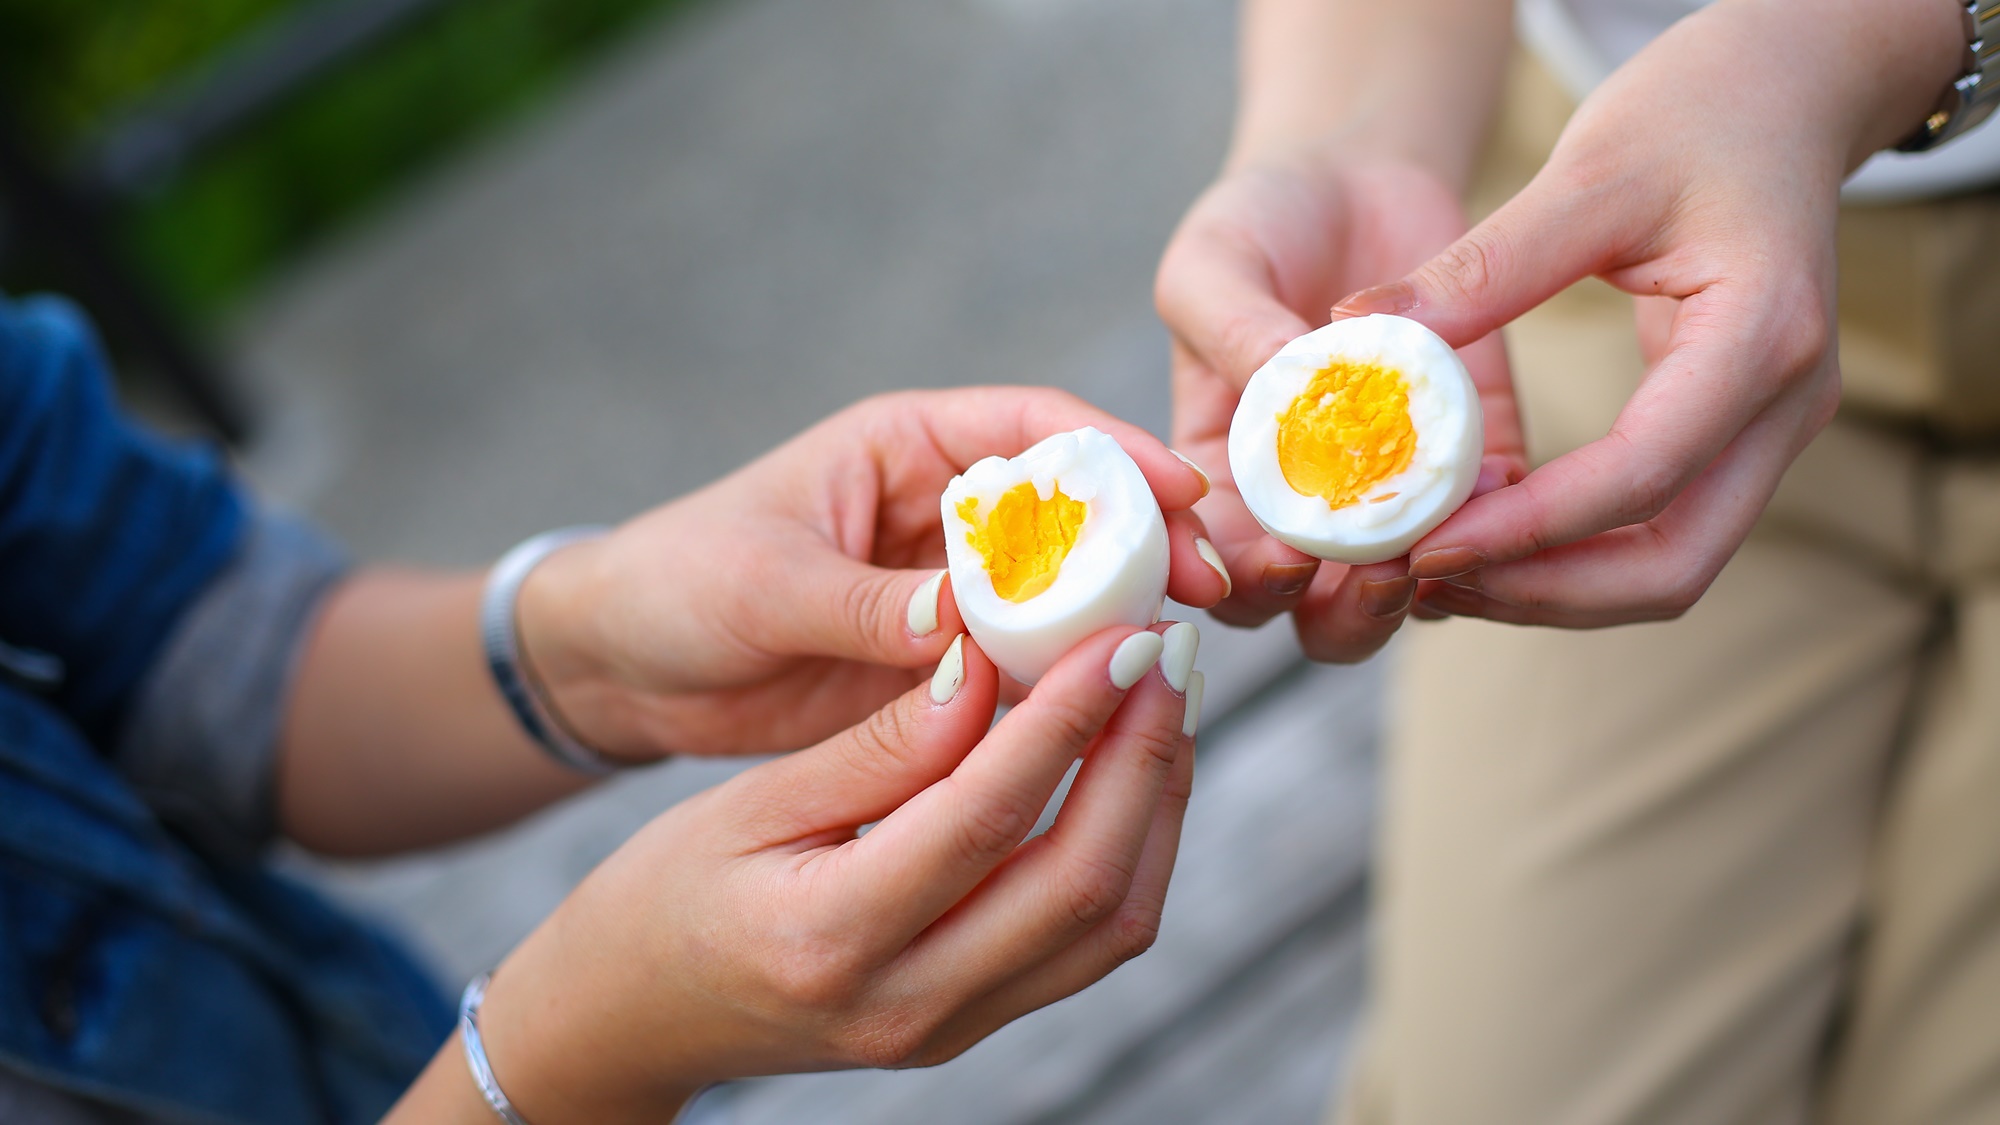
point(230, 217)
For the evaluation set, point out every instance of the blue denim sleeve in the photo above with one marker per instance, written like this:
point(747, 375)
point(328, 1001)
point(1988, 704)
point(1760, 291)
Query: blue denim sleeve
point(107, 532)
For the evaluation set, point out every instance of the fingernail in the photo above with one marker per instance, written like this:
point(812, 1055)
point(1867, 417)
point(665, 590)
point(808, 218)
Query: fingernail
point(1177, 656)
point(1388, 597)
point(1470, 580)
point(1397, 297)
point(1446, 562)
point(1213, 558)
point(950, 673)
point(924, 606)
point(1134, 657)
point(1453, 601)
point(1191, 717)
point(1285, 579)
point(1206, 484)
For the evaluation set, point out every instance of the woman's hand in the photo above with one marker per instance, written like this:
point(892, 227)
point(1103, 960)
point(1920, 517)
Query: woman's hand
point(793, 597)
point(1258, 260)
point(1703, 177)
point(754, 929)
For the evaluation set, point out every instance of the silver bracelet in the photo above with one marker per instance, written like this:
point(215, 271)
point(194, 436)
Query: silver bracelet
point(482, 1070)
point(475, 1050)
point(1973, 95)
point(499, 629)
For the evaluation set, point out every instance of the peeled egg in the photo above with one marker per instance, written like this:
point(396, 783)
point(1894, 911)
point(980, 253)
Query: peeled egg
point(1052, 546)
point(1357, 439)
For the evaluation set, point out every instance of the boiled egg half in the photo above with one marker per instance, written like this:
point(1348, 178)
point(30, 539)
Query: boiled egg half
point(1052, 546)
point(1357, 439)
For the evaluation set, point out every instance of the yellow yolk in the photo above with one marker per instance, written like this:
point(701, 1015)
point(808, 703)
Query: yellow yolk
point(1348, 431)
point(1024, 538)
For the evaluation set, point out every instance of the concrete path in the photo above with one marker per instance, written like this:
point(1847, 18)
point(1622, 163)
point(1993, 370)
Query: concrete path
point(744, 221)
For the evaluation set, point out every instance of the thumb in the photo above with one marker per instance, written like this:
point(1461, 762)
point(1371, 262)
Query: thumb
point(1537, 245)
point(870, 769)
point(847, 609)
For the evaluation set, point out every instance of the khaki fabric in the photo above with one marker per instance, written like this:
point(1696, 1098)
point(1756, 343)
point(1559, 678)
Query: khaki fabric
point(1743, 867)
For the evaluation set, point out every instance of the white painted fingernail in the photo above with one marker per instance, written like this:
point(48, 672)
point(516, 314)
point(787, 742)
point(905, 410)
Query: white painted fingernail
point(1177, 655)
point(1134, 657)
point(950, 672)
point(924, 605)
point(1213, 558)
point(1191, 718)
point(1206, 484)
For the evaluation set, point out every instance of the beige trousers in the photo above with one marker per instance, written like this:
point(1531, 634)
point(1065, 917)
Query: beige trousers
point(1743, 867)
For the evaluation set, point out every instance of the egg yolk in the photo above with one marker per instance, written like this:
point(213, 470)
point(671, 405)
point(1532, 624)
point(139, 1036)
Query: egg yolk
point(1348, 431)
point(1024, 539)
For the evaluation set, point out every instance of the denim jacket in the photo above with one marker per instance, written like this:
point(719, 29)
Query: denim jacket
point(147, 960)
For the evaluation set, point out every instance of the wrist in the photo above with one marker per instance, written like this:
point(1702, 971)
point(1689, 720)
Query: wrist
point(1415, 81)
point(564, 646)
point(1877, 66)
point(562, 1057)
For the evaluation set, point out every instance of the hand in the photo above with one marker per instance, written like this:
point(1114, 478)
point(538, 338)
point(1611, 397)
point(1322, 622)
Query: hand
point(1259, 260)
point(1671, 183)
point(775, 607)
point(754, 930)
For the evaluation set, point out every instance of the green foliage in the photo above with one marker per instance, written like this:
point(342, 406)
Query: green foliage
point(240, 210)
point(68, 63)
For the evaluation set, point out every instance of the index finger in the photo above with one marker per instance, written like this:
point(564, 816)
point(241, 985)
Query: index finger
point(1554, 232)
point(967, 424)
point(1694, 402)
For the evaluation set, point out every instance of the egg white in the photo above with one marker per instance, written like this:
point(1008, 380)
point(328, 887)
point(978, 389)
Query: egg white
point(1116, 573)
point(1444, 412)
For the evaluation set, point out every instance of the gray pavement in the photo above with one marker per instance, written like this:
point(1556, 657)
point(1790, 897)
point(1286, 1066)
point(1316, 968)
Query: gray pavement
point(744, 220)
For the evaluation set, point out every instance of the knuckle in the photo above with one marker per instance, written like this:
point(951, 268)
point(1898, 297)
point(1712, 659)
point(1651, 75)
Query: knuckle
point(1160, 745)
point(892, 730)
point(1805, 335)
point(886, 739)
point(934, 1054)
point(1674, 580)
point(862, 608)
point(1650, 482)
point(1653, 488)
point(990, 828)
point(1091, 889)
point(1468, 267)
point(1680, 597)
point(821, 977)
point(929, 1039)
point(1537, 535)
point(1680, 590)
point(1069, 724)
point(1825, 403)
point(891, 1039)
point(1534, 525)
point(1134, 930)
point(1587, 167)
